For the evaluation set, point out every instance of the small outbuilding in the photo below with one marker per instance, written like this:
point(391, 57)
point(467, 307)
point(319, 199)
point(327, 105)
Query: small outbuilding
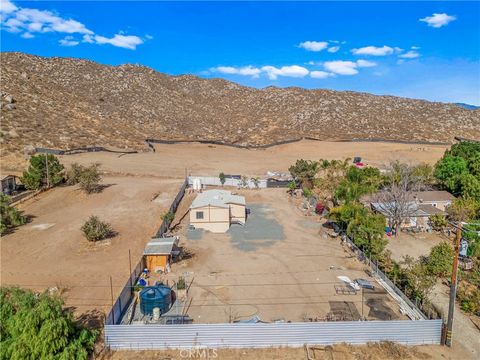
point(9, 184)
point(159, 253)
point(216, 210)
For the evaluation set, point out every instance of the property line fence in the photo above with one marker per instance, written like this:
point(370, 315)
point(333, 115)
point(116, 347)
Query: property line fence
point(81, 150)
point(237, 335)
point(153, 336)
point(121, 304)
point(173, 209)
point(150, 142)
point(123, 300)
point(229, 181)
point(409, 307)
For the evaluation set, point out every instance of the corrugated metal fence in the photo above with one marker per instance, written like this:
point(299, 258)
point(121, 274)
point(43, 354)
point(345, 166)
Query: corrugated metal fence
point(271, 335)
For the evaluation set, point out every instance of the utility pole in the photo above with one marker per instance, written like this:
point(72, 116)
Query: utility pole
point(453, 286)
point(46, 166)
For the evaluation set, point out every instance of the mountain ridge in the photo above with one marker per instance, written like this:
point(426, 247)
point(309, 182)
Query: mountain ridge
point(68, 102)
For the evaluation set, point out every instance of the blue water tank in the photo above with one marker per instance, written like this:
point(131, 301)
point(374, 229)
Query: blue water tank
point(155, 296)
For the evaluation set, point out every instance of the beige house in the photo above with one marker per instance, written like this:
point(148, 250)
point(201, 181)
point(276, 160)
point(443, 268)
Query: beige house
point(216, 210)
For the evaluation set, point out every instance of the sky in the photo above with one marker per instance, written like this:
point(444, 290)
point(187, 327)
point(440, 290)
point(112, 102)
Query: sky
point(426, 50)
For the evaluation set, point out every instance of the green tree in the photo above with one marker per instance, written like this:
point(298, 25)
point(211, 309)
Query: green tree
point(256, 182)
point(464, 209)
point(459, 169)
point(305, 172)
point(470, 186)
point(440, 260)
point(96, 230)
point(10, 217)
point(358, 182)
point(367, 230)
point(36, 326)
point(368, 233)
point(36, 176)
point(222, 178)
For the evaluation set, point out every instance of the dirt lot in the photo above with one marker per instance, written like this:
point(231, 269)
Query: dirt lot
point(172, 160)
point(280, 265)
point(50, 251)
point(413, 245)
point(386, 351)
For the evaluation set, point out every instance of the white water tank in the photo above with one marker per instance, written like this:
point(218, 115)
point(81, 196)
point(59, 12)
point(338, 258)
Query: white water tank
point(197, 184)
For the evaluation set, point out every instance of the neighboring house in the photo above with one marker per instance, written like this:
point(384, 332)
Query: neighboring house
point(9, 184)
point(422, 205)
point(438, 199)
point(216, 210)
point(159, 253)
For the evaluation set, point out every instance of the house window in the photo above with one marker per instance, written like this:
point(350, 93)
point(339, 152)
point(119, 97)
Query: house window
point(199, 215)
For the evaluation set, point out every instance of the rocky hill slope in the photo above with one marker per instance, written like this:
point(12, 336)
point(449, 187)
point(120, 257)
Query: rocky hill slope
point(65, 103)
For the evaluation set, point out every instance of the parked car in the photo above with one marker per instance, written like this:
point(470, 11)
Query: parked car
point(365, 284)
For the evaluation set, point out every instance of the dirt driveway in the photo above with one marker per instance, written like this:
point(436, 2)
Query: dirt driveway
point(51, 251)
point(280, 266)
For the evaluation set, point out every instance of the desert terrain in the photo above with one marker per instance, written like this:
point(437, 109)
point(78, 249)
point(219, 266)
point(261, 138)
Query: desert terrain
point(173, 161)
point(89, 104)
point(50, 251)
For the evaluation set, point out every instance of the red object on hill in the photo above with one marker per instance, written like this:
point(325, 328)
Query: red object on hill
point(319, 208)
point(360, 164)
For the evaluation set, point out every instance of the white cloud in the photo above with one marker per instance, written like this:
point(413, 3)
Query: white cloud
point(438, 20)
point(341, 67)
point(68, 41)
point(314, 45)
point(35, 20)
point(333, 49)
point(88, 39)
point(245, 71)
point(27, 35)
point(288, 71)
point(29, 21)
point(365, 63)
point(320, 74)
point(375, 51)
point(412, 54)
point(7, 7)
point(124, 41)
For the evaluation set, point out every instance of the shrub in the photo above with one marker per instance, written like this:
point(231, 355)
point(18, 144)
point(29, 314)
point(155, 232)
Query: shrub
point(10, 217)
point(96, 230)
point(438, 222)
point(307, 192)
point(36, 326)
point(181, 285)
point(74, 173)
point(222, 178)
point(89, 179)
point(440, 260)
point(168, 217)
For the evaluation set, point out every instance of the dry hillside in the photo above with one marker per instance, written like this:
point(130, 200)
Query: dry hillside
point(65, 103)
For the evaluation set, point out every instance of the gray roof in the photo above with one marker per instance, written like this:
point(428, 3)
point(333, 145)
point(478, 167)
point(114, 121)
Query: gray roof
point(217, 198)
point(417, 210)
point(160, 246)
